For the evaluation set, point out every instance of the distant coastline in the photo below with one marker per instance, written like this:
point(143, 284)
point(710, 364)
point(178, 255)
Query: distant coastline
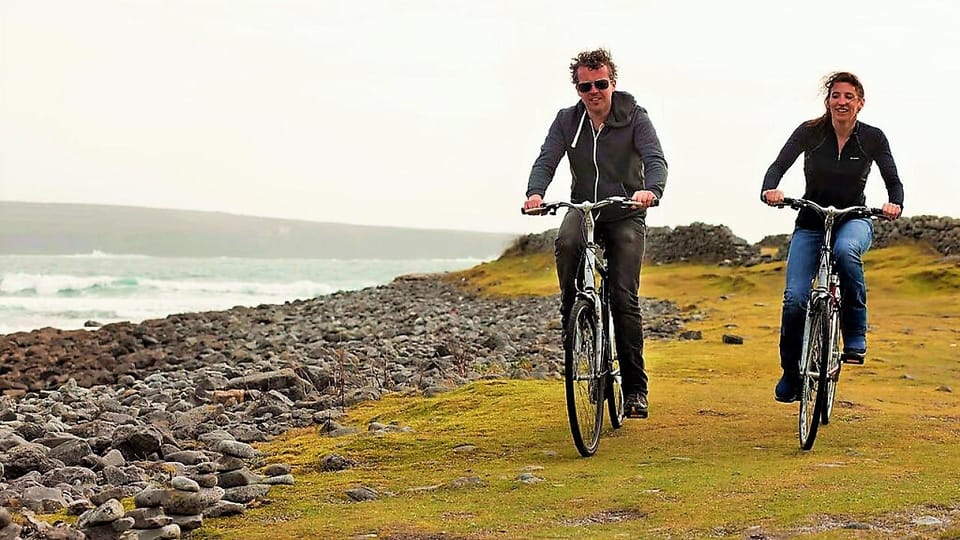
point(81, 229)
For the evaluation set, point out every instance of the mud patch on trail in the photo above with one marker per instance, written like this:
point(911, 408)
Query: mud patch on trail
point(931, 521)
point(605, 517)
point(412, 535)
point(721, 414)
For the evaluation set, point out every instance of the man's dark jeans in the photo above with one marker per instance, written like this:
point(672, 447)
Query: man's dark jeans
point(623, 243)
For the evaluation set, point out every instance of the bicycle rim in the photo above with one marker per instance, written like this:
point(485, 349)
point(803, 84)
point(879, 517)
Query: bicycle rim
point(615, 393)
point(811, 392)
point(833, 367)
point(584, 387)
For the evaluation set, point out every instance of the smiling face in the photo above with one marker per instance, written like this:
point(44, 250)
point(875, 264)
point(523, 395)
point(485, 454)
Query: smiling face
point(596, 100)
point(844, 102)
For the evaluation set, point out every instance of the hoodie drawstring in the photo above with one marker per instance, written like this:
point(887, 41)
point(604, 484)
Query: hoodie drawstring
point(579, 129)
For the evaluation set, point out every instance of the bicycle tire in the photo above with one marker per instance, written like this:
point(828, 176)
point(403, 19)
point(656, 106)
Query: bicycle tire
point(833, 368)
point(812, 368)
point(615, 398)
point(584, 385)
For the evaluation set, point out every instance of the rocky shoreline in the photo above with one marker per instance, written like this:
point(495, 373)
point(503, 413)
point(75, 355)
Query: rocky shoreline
point(165, 410)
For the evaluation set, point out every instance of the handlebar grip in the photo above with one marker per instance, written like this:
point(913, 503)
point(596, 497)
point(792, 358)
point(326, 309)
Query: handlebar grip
point(787, 201)
point(877, 212)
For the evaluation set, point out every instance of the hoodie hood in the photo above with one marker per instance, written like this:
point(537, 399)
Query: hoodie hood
point(622, 105)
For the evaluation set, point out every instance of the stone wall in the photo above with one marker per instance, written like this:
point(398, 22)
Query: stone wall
point(697, 242)
point(940, 233)
point(943, 233)
point(703, 243)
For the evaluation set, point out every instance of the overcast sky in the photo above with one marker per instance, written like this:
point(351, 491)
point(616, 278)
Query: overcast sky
point(430, 113)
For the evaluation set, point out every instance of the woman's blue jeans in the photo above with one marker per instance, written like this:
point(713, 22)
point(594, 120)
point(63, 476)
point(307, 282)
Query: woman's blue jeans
point(851, 240)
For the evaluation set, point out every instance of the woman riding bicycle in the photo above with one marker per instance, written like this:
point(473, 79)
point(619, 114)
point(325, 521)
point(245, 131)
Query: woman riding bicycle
point(838, 152)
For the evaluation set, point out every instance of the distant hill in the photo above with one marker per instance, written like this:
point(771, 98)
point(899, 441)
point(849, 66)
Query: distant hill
point(49, 229)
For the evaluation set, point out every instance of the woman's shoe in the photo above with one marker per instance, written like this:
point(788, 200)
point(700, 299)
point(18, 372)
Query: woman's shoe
point(788, 388)
point(854, 356)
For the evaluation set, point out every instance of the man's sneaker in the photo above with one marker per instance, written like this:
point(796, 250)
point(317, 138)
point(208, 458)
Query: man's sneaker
point(854, 356)
point(788, 388)
point(635, 405)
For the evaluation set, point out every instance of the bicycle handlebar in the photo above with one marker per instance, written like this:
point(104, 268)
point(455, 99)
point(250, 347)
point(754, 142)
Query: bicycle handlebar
point(552, 207)
point(797, 204)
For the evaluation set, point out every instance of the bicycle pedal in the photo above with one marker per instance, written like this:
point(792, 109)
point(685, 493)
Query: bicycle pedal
point(633, 412)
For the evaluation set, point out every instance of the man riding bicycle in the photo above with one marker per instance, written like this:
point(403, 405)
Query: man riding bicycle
point(838, 152)
point(613, 150)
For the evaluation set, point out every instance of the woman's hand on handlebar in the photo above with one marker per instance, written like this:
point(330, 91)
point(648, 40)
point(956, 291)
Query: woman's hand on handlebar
point(644, 197)
point(772, 197)
point(891, 211)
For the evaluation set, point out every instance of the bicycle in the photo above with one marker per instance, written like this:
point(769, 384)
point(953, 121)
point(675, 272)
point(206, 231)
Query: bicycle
point(591, 367)
point(820, 358)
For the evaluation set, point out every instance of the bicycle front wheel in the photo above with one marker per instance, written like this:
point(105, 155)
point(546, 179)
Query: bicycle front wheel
point(812, 373)
point(584, 380)
point(833, 367)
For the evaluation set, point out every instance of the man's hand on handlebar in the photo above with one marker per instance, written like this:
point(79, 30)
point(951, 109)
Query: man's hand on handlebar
point(891, 211)
point(773, 197)
point(533, 201)
point(644, 197)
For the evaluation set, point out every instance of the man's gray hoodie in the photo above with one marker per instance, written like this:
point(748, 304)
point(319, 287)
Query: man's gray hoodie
point(624, 157)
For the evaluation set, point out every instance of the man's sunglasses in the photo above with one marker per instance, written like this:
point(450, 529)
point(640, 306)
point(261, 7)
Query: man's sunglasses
point(585, 87)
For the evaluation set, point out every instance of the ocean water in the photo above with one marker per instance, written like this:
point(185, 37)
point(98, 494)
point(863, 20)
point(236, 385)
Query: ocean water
point(65, 291)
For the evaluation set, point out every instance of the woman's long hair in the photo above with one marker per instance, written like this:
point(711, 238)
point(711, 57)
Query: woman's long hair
point(828, 82)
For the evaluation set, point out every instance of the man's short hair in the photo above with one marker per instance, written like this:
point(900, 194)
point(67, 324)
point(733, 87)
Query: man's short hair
point(593, 60)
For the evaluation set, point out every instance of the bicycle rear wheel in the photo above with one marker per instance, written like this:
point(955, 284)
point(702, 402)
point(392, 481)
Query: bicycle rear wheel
point(812, 372)
point(833, 367)
point(584, 381)
point(615, 391)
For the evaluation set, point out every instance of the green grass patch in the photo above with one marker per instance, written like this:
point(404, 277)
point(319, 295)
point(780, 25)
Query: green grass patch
point(718, 458)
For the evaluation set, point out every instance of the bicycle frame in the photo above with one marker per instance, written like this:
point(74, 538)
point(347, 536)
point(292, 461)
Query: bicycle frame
point(825, 287)
point(592, 379)
point(590, 288)
point(820, 366)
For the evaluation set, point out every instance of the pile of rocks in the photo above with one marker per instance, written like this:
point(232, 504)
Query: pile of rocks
point(697, 242)
point(943, 233)
point(164, 411)
point(704, 243)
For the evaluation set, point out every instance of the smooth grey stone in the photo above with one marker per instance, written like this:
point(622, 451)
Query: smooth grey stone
point(43, 500)
point(206, 480)
point(107, 512)
point(276, 469)
point(122, 524)
point(187, 503)
point(167, 532)
point(237, 449)
point(282, 479)
point(149, 498)
point(79, 506)
point(188, 523)
point(74, 476)
point(230, 463)
point(246, 494)
point(149, 518)
point(183, 483)
point(114, 458)
point(187, 457)
point(240, 477)
point(224, 508)
point(362, 493)
point(208, 467)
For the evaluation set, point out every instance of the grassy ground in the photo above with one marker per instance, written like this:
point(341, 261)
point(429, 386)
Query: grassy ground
point(718, 458)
